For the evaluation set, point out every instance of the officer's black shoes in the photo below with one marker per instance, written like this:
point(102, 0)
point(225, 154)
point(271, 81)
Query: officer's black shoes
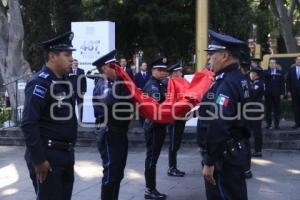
point(257, 154)
point(110, 192)
point(269, 127)
point(175, 172)
point(248, 174)
point(154, 194)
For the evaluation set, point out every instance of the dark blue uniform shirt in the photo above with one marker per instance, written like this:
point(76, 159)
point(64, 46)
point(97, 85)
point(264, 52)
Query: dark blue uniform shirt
point(257, 90)
point(229, 91)
point(105, 96)
point(156, 89)
point(45, 115)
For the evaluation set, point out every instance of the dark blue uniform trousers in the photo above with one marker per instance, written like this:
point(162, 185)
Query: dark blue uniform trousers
point(59, 182)
point(154, 141)
point(176, 131)
point(113, 148)
point(257, 134)
point(230, 179)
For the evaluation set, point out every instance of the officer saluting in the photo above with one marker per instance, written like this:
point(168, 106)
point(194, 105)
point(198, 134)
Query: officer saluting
point(155, 132)
point(111, 100)
point(176, 130)
point(222, 134)
point(49, 122)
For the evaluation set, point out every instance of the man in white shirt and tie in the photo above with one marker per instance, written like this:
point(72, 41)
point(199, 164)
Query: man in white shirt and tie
point(140, 79)
point(274, 82)
point(293, 86)
point(78, 81)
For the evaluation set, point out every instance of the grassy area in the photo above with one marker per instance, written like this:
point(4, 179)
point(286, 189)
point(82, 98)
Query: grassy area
point(5, 114)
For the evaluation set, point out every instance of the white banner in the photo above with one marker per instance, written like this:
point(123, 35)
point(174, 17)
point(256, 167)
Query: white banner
point(91, 40)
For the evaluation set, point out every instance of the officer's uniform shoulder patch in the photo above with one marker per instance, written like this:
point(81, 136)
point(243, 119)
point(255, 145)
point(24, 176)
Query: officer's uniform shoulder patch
point(222, 100)
point(39, 91)
point(44, 75)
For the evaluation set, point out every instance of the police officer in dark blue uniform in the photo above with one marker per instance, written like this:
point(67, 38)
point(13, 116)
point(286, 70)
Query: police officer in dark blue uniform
point(256, 96)
point(221, 132)
point(245, 61)
point(175, 130)
point(111, 99)
point(155, 132)
point(274, 82)
point(49, 122)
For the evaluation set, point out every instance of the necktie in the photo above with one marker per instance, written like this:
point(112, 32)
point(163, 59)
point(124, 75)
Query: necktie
point(144, 75)
point(298, 72)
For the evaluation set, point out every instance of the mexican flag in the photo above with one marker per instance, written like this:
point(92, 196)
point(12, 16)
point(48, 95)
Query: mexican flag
point(222, 100)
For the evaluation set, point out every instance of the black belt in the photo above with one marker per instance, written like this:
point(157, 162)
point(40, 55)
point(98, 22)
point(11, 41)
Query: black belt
point(58, 145)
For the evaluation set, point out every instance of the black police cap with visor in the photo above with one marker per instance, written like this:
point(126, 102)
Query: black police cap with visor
point(174, 67)
point(158, 63)
point(220, 42)
point(106, 59)
point(59, 43)
point(256, 69)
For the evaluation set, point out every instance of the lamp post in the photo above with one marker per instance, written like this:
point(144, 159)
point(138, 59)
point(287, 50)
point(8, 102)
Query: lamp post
point(138, 58)
point(201, 33)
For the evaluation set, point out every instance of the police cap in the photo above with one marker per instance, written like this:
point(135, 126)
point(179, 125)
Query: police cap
point(175, 67)
point(159, 62)
point(61, 42)
point(106, 59)
point(256, 69)
point(223, 42)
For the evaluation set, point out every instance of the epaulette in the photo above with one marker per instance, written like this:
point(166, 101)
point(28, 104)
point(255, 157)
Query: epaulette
point(220, 76)
point(44, 75)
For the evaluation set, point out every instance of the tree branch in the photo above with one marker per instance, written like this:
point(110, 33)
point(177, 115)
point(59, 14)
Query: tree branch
point(274, 9)
point(292, 8)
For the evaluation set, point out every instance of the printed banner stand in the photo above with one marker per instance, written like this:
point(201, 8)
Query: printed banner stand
point(91, 40)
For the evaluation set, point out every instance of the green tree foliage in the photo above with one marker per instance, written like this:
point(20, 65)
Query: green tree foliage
point(231, 17)
point(152, 26)
point(43, 19)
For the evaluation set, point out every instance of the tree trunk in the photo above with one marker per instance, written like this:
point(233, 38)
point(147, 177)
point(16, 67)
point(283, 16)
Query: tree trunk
point(13, 66)
point(286, 26)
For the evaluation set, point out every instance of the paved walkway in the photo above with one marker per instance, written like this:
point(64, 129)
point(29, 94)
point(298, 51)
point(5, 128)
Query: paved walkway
point(277, 176)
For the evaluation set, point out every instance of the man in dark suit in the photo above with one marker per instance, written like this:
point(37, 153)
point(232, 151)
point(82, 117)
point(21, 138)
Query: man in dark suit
point(293, 86)
point(78, 80)
point(274, 82)
point(123, 64)
point(142, 77)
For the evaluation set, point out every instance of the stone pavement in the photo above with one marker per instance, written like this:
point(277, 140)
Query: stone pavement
point(276, 176)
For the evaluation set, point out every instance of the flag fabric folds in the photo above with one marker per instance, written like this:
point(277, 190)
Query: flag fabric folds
point(181, 96)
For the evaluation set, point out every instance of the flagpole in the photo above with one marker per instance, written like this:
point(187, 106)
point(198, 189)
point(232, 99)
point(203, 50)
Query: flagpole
point(201, 33)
